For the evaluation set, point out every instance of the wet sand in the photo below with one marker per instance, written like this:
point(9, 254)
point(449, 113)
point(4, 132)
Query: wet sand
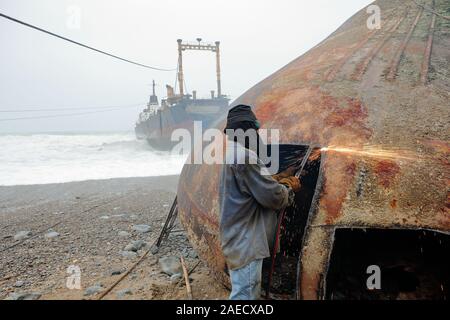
point(94, 221)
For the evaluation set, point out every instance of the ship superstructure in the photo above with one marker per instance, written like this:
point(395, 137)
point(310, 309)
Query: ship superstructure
point(179, 110)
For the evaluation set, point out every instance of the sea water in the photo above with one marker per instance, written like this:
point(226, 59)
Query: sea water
point(53, 158)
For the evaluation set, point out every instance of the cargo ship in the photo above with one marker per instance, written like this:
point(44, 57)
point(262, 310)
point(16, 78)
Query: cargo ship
point(179, 110)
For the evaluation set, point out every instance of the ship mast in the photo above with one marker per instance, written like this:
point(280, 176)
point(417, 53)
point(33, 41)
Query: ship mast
point(153, 97)
point(198, 46)
point(180, 67)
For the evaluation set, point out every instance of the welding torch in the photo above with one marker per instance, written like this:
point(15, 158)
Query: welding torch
point(304, 161)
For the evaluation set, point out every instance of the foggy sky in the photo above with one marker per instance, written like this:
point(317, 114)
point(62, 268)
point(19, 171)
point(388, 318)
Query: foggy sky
point(40, 71)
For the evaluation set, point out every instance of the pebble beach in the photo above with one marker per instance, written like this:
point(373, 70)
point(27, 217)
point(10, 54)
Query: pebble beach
point(95, 230)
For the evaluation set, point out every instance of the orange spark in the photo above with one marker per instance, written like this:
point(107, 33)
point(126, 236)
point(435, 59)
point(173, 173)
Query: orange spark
point(375, 152)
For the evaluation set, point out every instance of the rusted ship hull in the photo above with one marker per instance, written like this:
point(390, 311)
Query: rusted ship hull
point(377, 101)
point(158, 128)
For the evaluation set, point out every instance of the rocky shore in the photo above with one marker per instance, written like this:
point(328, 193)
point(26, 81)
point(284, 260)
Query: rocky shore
point(73, 240)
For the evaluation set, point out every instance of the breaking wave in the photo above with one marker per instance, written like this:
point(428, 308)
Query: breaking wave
point(55, 158)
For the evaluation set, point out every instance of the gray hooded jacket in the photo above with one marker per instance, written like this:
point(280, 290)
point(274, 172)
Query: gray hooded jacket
point(249, 201)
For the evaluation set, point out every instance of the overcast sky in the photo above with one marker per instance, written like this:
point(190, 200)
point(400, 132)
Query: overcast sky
point(39, 71)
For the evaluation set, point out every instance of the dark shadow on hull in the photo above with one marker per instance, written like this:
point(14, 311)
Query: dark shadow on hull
point(284, 279)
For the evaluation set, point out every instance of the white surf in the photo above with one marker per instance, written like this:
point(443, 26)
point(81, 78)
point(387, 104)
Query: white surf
point(55, 158)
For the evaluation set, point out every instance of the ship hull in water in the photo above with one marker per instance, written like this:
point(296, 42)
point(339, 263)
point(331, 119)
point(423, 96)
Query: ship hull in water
point(158, 127)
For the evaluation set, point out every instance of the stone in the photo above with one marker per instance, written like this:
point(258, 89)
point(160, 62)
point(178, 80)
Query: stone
point(193, 254)
point(175, 277)
point(116, 272)
point(128, 254)
point(135, 245)
point(170, 265)
point(123, 234)
point(24, 296)
point(122, 293)
point(104, 217)
point(93, 290)
point(18, 284)
point(129, 247)
point(154, 249)
point(122, 215)
point(141, 228)
point(51, 234)
point(21, 235)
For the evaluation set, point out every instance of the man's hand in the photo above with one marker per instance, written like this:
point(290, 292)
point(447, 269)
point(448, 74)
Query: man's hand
point(285, 174)
point(291, 182)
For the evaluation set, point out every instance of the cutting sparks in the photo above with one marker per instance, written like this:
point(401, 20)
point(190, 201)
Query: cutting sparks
point(375, 152)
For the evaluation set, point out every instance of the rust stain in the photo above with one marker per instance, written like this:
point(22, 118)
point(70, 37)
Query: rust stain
point(386, 172)
point(323, 119)
point(309, 286)
point(333, 194)
point(265, 111)
point(393, 203)
point(319, 117)
point(447, 204)
point(438, 145)
point(346, 116)
point(441, 150)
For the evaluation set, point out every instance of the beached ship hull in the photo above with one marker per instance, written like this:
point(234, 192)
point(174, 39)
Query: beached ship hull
point(158, 127)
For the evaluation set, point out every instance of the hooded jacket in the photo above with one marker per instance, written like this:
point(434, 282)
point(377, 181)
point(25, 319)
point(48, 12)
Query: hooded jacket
point(249, 201)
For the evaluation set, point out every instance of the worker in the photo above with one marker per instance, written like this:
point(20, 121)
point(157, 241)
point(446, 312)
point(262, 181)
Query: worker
point(249, 202)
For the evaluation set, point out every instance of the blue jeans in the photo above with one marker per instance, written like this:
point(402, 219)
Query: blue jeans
point(246, 281)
